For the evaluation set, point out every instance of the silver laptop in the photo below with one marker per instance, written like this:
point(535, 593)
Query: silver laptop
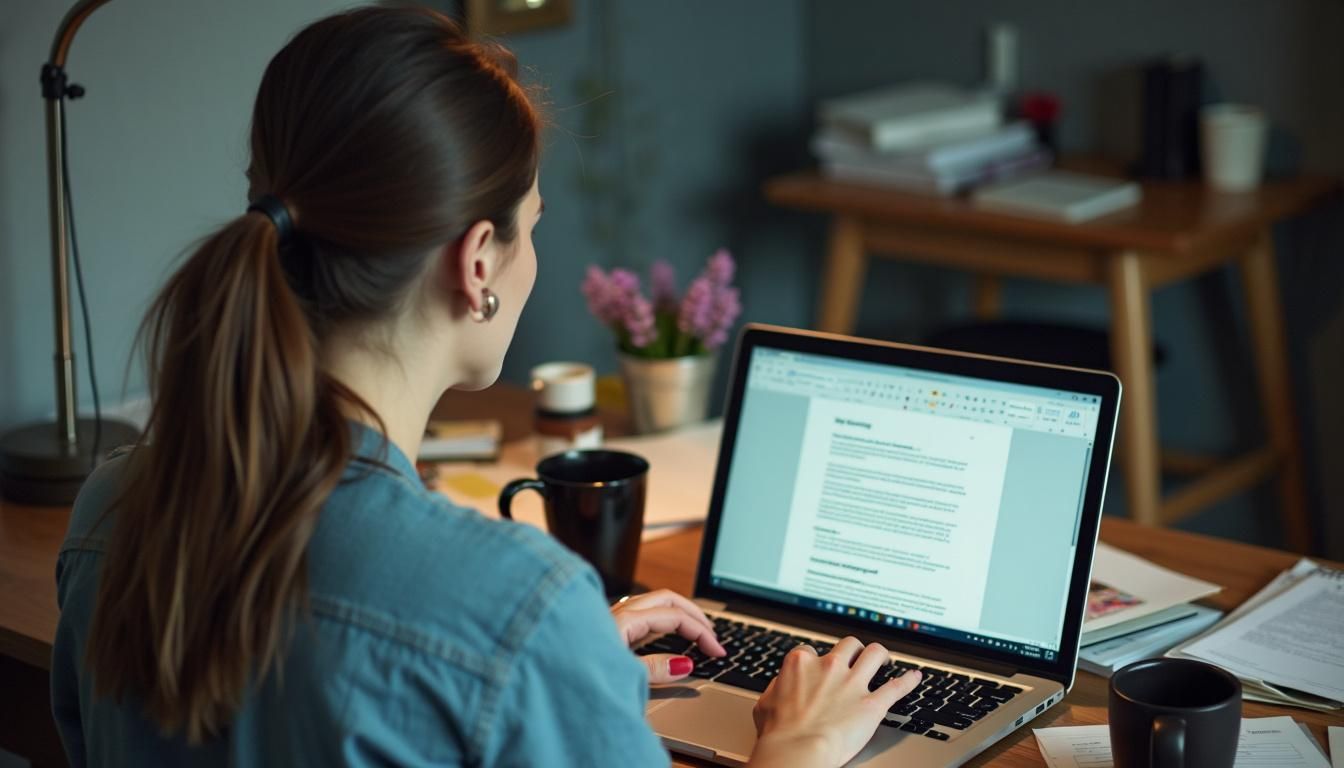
point(943, 504)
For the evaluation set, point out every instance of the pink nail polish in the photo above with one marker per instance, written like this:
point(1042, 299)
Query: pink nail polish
point(680, 665)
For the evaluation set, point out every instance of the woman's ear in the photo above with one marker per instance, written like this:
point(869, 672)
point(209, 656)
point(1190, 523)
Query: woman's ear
point(470, 263)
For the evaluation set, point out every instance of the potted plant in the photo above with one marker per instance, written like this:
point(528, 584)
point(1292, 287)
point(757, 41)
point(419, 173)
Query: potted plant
point(666, 342)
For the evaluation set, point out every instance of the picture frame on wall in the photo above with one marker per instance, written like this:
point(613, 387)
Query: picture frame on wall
point(505, 17)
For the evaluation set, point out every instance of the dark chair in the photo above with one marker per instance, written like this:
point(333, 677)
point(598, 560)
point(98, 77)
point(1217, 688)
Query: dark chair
point(1042, 342)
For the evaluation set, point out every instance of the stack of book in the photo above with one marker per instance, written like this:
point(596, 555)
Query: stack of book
point(925, 138)
point(1138, 610)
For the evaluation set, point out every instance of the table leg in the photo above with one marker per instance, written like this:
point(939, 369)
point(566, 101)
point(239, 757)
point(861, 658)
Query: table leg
point(1260, 282)
point(1131, 353)
point(842, 286)
point(988, 296)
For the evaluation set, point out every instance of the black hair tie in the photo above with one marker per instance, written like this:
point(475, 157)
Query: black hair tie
point(278, 214)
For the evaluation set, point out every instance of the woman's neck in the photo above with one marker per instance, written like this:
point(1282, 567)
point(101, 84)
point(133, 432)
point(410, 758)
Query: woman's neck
point(402, 389)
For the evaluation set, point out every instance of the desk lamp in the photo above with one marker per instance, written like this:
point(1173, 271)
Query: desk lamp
point(46, 463)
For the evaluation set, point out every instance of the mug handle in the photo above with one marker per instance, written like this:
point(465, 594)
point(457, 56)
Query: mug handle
point(1166, 745)
point(506, 495)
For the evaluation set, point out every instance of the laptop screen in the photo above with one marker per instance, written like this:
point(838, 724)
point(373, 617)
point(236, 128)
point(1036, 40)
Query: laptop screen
point(923, 501)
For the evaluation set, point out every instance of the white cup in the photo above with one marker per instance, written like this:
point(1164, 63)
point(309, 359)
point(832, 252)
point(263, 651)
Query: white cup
point(1232, 146)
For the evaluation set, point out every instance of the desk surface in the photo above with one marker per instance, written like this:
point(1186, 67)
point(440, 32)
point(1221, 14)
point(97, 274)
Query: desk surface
point(1174, 218)
point(30, 537)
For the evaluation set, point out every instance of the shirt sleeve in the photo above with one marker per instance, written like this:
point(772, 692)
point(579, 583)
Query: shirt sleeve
point(576, 695)
point(64, 668)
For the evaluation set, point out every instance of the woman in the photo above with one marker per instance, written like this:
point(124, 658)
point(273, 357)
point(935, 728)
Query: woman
point(263, 579)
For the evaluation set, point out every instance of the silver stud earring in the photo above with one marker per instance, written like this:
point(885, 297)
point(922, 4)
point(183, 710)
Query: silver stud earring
point(489, 307)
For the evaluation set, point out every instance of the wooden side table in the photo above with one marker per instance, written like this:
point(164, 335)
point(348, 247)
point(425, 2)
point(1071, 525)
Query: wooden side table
point(1179, 231)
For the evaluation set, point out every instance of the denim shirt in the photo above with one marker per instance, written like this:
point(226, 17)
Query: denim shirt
point(434, 636)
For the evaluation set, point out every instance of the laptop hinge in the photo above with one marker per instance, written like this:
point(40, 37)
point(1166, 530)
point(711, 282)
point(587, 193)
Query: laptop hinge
point(894, 645)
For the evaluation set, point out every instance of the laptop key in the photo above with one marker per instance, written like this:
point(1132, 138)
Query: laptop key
point(942, 717)
point(902, 708)
point(916, 727)
point(939, 735)
point(739, 679)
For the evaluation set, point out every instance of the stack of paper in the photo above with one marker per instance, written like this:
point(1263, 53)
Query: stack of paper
point(1286, 643)
point(1265, 741)
point(681, 478)
point(1129, 594)
point(923, 137)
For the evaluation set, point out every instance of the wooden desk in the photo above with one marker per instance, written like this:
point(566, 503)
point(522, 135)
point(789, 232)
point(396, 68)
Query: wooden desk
point(30, 538)
point(1180, 230)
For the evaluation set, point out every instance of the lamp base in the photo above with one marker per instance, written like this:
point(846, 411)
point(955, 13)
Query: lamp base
point(37, 468)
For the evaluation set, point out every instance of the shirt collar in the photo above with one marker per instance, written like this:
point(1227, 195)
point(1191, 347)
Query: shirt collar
point(373, 446)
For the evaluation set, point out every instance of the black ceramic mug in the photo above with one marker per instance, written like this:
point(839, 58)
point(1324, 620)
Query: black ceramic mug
point(1174, 713)
point(594, 506)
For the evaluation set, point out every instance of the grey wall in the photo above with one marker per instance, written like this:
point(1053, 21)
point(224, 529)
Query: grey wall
point(706, 100)
point(1282, 54)
point(157, 152)
point(158, 148)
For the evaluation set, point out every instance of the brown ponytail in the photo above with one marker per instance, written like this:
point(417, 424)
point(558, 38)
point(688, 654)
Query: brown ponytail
point(387, 134)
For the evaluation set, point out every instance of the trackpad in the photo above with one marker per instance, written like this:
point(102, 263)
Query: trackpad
point(714, 719)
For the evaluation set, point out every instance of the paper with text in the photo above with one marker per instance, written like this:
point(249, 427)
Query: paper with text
point(1336, 737)
point(895, 511)
point(1265, 742)
point(1294, 640)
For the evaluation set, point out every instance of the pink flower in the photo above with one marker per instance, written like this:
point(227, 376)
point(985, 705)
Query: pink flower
point(696, 308)
point(721, 268)
point(639, 322)
point(663, 282)
point(615, 299)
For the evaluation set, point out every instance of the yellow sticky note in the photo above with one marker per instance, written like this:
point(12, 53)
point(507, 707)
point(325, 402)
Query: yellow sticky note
point(470, 484)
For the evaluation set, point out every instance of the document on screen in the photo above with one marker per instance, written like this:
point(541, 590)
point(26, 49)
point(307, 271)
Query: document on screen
point(895, 510)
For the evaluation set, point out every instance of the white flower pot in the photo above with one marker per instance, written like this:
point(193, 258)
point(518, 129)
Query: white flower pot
point(667, 393)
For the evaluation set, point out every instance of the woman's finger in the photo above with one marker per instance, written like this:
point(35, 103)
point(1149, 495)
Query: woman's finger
point(897, 688)
point(666, 597)
point(845, 651)
point(667, 667)
point(870, 659)
point(636, 623)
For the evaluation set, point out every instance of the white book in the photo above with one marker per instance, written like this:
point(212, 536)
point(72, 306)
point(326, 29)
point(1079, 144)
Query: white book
point(1142, 623)
point(911, 115)
point(1060, 195)
point(1126, 587)
point(472, 440)
point(943, 183)
point(887, 177)
point(1105, 657)
point(953, 155)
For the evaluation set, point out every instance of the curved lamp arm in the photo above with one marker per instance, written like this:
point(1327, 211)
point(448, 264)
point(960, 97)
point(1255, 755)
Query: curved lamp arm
point(60, 47)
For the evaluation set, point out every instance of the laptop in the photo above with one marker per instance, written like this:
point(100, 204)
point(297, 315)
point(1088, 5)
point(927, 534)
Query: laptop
point(943, 504)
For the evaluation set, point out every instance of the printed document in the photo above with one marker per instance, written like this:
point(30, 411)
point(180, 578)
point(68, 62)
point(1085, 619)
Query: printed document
point(1266, 742)
point(1295, 640)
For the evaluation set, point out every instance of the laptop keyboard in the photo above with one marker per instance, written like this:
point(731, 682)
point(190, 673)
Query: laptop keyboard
point(944, 701)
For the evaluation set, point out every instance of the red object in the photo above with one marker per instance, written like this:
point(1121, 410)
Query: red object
point(915, 626)
point(680, 665)
point(1040, 108)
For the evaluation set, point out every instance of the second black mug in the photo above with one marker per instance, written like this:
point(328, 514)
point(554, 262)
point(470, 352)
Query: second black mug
point(1174, 713)
point(595, 506)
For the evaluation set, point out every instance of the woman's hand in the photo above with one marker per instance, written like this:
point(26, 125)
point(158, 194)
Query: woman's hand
point(660, 612)
point(819, 711)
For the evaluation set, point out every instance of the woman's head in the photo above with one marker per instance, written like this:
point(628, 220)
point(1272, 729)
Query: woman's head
point(406, 156)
